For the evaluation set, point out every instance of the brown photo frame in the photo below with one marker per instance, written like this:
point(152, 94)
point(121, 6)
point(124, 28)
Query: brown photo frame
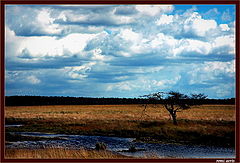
point(195, 2)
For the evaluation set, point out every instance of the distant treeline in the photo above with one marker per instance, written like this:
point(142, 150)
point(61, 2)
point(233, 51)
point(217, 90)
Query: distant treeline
point(56, 100)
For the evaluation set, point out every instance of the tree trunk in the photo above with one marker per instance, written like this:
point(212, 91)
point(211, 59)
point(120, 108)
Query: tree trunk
point(174, 118)
point(172, 112)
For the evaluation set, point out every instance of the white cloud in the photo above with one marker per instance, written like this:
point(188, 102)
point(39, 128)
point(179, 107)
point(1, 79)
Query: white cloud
point(188, 46)
point(201, 26)
point(121, 86)
point(144, 83)
point(73, 17)
point(128, 42)
point(171, 47)
point(97, 55)
point(40, 46)
point(165, 19)
point(163, 84)
point(227, 68)
point(76, 42)
point(9, 35)
point(208, 71)
point(224, 27)
point(129, 35)
point(80, 17)
point(148, 10)
point(32, 21)
point(163, 44)
point(197, 25)
point(166, 8)
point(152, 10)
point(33, 79)
point(12, 43)
point(121, 20)
point(50, 46)
point(223, 90)
point(46, 22)
point(142, 70)
point(79, 72)
point(22, 77)
point(228, 40)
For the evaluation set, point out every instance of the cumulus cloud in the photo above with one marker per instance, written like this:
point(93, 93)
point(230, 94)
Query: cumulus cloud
point(47, 46)
point(197, 25)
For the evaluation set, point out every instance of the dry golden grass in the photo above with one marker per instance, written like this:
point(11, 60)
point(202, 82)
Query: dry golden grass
point(119, 112)
point(60, 153)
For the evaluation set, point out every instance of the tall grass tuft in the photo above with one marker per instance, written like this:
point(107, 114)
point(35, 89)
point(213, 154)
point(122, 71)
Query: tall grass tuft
point(60, 153)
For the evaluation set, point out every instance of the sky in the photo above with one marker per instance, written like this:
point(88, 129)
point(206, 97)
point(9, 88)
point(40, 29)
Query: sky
point(119, 50)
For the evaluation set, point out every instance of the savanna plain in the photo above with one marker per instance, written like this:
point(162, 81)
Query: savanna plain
point(212, 125)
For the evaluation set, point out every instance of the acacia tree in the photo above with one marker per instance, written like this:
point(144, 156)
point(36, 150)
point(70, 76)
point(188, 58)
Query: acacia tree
point(175, 102)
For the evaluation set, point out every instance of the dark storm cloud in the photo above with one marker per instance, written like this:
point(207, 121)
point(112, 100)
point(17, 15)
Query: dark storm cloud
point(126, 10)
point(47, 63)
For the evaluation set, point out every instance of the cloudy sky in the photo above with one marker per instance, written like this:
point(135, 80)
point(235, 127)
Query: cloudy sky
point(119, 50)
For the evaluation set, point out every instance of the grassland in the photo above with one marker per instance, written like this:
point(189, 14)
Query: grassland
point(206, 124)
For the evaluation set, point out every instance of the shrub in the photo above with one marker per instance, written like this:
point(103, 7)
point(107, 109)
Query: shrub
point(101, 146)
point(132, 149)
